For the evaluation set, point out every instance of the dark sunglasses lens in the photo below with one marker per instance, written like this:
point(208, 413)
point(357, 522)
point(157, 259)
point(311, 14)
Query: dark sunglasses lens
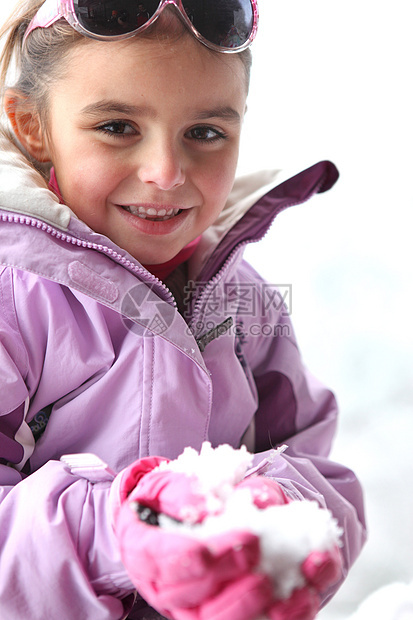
point(227, 23)
point(113, 17)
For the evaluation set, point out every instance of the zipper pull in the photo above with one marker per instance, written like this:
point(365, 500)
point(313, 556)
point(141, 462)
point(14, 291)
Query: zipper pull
point(214, 333)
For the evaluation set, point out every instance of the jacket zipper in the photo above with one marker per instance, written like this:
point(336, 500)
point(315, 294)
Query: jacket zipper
point(35, 223)
point(204, 339)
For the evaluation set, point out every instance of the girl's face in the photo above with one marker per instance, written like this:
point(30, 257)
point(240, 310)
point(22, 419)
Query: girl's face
point(144, 137)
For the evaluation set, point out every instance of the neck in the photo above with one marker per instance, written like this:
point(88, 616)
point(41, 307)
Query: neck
point(163, 270)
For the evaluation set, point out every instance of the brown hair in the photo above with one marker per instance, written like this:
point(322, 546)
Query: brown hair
point(36, 67)
point(39, 65)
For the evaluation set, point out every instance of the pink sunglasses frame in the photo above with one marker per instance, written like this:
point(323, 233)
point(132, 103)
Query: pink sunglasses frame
point(53, 10)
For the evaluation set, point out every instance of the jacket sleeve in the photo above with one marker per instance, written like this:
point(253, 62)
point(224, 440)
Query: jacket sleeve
point(58, 555)
point(295, 409)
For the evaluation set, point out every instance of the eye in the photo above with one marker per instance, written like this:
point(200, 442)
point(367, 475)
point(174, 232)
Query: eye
point(117, 129)
point(205, 133)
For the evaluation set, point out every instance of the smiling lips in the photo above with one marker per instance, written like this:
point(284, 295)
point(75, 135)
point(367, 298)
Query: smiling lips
point(150, 213)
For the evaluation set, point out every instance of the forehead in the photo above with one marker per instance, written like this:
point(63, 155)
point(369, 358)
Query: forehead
point(180, 67)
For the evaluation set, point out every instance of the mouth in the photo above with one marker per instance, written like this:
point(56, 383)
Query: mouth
point(153, 214)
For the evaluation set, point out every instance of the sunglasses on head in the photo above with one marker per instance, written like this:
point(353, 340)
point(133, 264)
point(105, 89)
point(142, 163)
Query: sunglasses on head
point(222, 25)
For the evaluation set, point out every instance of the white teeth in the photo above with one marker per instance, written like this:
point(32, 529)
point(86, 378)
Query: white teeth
point(150, 212)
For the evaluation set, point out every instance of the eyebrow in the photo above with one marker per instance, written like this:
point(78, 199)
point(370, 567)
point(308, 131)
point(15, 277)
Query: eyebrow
point(116, 107)
point(225, 112)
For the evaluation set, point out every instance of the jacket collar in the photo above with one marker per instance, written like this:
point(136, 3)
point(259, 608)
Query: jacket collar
point(251, 213)
point(23, 190)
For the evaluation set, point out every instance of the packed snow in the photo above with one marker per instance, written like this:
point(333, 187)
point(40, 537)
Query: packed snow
point(216, 470)
point(288, 533)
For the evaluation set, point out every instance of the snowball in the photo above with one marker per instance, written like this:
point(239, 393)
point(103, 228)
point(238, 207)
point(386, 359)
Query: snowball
point(217, 470)
point(287, 533)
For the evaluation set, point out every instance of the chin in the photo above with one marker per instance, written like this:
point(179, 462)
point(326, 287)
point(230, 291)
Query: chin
point(158, 259)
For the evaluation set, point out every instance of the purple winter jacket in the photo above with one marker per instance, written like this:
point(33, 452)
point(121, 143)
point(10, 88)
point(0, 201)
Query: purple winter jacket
point(96, 358)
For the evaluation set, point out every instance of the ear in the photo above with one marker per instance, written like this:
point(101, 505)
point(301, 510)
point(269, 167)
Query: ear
point(26, 125)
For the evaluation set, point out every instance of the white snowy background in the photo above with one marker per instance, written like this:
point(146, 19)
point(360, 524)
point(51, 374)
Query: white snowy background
point(334, 80)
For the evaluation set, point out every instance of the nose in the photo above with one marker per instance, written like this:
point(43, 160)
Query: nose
point(162, 163)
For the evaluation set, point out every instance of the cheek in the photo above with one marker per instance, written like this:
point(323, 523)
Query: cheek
point(219, 177)
point(219, 165)
point(91, 178)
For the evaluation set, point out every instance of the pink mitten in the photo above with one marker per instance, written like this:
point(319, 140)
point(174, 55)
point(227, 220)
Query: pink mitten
point(173, 493)
point(264, 491)
point(181, 576)
point(203, 568)
point(320, 570)
point(182, 497)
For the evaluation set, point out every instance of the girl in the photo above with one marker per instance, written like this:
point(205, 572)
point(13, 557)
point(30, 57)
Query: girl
point(130, 325)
